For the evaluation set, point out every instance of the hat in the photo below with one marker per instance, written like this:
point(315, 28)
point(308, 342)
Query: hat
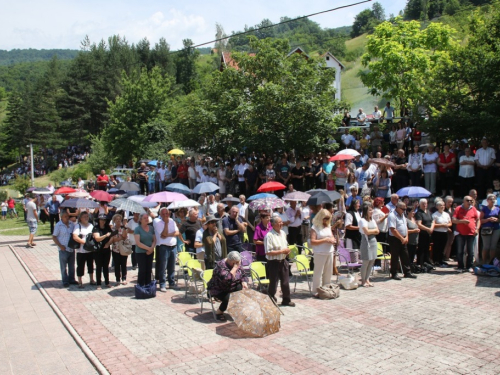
point(211, 218)
point(102, 217)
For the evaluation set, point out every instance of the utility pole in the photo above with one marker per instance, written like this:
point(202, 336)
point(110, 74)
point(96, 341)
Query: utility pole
point(32, 166)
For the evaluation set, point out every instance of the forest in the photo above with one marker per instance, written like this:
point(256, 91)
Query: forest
point(133, 100)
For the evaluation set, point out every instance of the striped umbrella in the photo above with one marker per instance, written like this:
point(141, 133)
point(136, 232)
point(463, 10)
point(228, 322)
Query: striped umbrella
point(79, 203)
point(127, 205)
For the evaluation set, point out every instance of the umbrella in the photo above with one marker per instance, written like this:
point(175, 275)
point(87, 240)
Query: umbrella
point(382, 161)
point(79, 194)
point(101, 195)
point(266, 204)
point(153, 163)
point(254, 313)
point(178, 188)
point(349, 151)
point(128, 186)
point(413, 192)
point(30, 189)
point(42, 191)
point(128, 205)
point(297, 196)
point(116, 191)
point(181, 204)
point(236, 200)
point(205, 187)
point(165, 197)
point(176, 151)
point(313, 191)
point(340, 157)
point(323, 197)
point(79, 203)
point(65, 190)
point(144, 161)
point(59, 198)
point(271, 186)
point(140, 199)
point(260, 196)
point(118, 174)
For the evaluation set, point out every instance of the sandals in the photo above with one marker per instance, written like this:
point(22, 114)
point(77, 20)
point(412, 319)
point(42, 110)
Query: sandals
point(220, 317)
point(80, 286)
point(93, 283)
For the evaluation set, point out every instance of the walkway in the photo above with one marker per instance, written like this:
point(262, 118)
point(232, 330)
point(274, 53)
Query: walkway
point(32, 338)
point(441, 323)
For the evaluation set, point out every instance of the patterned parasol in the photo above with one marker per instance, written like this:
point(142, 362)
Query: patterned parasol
point(128, 205)
point(266, 204)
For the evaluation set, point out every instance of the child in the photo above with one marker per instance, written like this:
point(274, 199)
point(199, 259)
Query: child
point(330, 183)
point(4, 210)
point(205, 177)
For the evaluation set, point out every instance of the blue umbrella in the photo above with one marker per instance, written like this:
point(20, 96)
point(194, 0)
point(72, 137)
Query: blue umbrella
point(178, 188)
point(262, 195)
point(153, 163)
point(413, 192)
point(205, 187)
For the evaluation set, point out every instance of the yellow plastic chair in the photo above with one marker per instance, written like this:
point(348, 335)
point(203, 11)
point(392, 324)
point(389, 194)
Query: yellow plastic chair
point(183, 258)
point(245, 237)
point(206, 276)
point(191, 277)
point(258, 273)
point(385, 257)
point(294, 251)
point(303, 269)
point(307, 250)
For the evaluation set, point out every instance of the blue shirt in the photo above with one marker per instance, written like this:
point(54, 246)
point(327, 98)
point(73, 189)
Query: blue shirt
point(53, 207)
point(487, 213)
point(349, 200)
point(397, 222)
point(327, 167)
point(63, 233)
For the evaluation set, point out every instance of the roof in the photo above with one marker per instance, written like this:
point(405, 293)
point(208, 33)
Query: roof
point(227, 61)
point(333, 57)
point(300, 51)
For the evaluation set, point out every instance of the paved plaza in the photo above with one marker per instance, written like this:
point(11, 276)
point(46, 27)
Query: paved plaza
point(441, 323)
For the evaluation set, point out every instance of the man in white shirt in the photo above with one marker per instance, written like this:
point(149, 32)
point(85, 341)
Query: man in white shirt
point(199, 170)
point(466, 171)
point(361, 116)
point(376, 113)
point(485, 157)
point(293, 214)
point(429, 161)
point(240, 170)
point(347, 139)
point(364, 175)
point(166, 241)
point(161, 175)
point(388, 113)
point(32, 220)
point(211, 205)
point(200, 249)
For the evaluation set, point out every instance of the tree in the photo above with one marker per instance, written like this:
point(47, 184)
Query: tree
point(143, 101)
point(401, 60)
point(271, 102)
point(465, 100)
point(367, 20)
point(185, 63)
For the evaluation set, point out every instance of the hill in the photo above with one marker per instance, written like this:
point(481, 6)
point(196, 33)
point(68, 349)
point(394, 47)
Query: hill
point(31, 55)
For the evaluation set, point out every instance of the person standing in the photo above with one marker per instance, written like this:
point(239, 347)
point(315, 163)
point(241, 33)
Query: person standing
point(102, 234)
point(388, 113)
point(415, 165)
point(151, 179)
point(133, 223)
point(490, 229)
point(442, 223)
point(485, 157)
point(142, 173)
point(446, 165)
point(83, 257)
point(233, 225)
point(145, 242)
point(368, 250)
point(322, 241)
point(429, 161)
point(466, 171)
point(294, 217)
point(160, 177)
point(61, 235)
point(166, 241)
point(189, 228)
point(468, 223)
point(426, 225)
point(261, 229)
point(240, 169)
point(398, 240)
point(11, 205)
point(102, 181)
point(213, 242)
point(32, 220)
point(52, 211)
point(120, 261)
point(276, 248)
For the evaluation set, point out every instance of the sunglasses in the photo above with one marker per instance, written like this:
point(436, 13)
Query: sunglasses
point(469, 200)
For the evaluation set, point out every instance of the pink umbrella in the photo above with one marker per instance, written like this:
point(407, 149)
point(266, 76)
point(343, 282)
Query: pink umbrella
point(165, 197)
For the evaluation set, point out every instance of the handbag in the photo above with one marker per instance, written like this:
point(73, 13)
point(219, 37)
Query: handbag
point(91, 244)
point(329, 291)
point(72, 244)
point(125, 247)
point(146, 291)
point(348, 282)
point(486, 231)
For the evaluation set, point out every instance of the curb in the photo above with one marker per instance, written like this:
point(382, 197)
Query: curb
point(86, 350)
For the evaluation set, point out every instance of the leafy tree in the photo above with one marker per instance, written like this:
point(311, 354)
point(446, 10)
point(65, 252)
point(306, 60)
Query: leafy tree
point(272, 102)
point(367, 20)
point(466, 97)
point(100, 156)
point(134, 115)
point(185, 63)
point(401, 60)
point(22, 183)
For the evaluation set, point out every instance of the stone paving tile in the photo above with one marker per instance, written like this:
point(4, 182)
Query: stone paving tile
point(29, 329)
point(441, 323)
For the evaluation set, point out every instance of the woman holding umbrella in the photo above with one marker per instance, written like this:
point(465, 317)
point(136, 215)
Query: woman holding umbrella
point(83, 257)
point(322, 241)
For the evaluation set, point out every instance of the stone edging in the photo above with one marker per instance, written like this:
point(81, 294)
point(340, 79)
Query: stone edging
point(86, 350)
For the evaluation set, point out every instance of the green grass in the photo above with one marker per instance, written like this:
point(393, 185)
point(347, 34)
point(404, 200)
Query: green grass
point(17, 227)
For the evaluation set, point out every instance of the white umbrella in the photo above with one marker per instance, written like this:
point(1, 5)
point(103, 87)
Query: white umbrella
point(181, 204)
point(79, 194)
point(349, 151)
point(140, 199)
point(205, 187)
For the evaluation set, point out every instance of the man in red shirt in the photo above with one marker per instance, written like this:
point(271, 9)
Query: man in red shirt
point(11, 206)
point(102, 181)
point(182, 172)
point(466, 218)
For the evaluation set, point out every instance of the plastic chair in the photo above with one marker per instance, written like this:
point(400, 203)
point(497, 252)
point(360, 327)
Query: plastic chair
point(345, 255)
point(307, 250)
point(191, 276)
point(383, 256)
point(294, 251)
point(303, 269)
point(258, 273)
point(206, 276)
point(183, 258)
point(245, 238)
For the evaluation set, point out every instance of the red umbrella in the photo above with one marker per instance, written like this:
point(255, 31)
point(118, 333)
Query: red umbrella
point(64, 190)
point(340, 157)
point(101, 196)
point(271, 186)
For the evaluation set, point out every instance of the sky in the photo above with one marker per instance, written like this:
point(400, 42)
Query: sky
point(64, 23)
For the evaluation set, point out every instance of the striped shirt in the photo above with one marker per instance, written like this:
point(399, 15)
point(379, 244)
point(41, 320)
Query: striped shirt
point(63, 233)
point(275, 241)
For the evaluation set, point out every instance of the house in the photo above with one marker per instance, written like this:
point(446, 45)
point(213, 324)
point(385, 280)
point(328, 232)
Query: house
point(331, 62)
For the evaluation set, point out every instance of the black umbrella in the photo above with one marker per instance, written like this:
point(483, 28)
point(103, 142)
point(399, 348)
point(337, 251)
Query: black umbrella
point(116, 191)
point(79, 203)
point(323, 197)
point(128, 186)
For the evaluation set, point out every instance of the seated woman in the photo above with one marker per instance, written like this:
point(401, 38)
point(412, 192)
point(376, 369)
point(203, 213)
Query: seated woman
point(228, 277)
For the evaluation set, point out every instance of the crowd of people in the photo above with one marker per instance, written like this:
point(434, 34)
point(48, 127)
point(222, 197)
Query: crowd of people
point(419, 234)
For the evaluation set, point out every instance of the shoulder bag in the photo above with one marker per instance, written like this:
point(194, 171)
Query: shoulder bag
point(124, 247)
